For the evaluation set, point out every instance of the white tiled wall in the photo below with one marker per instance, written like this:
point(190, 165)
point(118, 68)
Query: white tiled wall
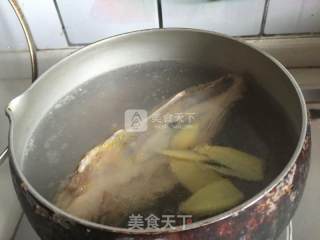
point(90, 20)
point(43, 21)
point(233, 17)
point(11, 35)
point(293, 16)
point(86, 21)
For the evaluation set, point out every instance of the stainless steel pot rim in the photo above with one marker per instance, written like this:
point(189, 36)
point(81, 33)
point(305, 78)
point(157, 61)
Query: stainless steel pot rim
point(232, 212)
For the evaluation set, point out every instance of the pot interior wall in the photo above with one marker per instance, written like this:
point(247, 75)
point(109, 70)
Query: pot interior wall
point(93, 111)
point(81, 110)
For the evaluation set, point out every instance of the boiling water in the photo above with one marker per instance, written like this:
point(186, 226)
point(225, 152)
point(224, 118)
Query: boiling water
point(92, 112)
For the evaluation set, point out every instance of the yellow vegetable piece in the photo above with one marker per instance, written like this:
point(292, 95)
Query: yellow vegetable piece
point(214, 198)
point(185, 155)
point(233, 162)
point(227, 171)
point(193, 176)
point(186, 137)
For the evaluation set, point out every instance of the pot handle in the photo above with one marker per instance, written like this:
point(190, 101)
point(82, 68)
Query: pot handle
point(32, 51)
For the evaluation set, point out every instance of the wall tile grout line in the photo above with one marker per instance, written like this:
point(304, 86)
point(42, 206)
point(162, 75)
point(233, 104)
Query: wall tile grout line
point(62, 23)
point(264, 18)
point(160, 15)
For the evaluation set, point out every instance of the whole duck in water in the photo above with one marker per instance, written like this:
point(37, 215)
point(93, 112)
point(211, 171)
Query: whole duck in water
point(126, 173)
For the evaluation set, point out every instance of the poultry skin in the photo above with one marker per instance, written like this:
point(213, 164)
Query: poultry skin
point(126, 172)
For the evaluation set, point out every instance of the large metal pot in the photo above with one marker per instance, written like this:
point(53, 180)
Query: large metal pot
point(53, 109)
point(263, 216)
